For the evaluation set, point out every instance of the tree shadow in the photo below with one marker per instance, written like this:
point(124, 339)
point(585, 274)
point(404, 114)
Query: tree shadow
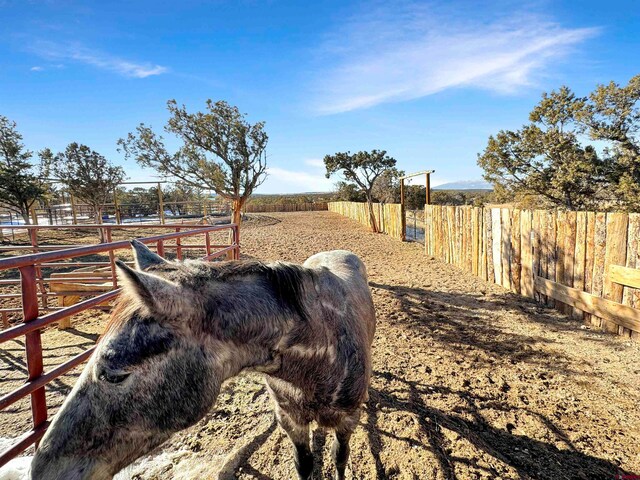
point(530, 458)
point(459, 319)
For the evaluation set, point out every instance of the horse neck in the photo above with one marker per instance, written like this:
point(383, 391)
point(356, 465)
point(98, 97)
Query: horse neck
point(245, 322)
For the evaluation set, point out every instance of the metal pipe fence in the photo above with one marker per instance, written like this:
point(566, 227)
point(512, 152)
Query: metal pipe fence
point(33, 302)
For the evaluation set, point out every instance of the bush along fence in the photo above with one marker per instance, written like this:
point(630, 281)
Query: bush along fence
point(388, 215)
point(584, 264)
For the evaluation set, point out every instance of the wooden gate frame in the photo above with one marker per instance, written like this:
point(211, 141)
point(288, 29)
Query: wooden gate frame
point(427, 174)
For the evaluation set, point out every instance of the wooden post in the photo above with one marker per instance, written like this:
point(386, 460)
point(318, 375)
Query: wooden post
point(112, 259)
point(116, 206)
point(526, 256)
point(178, 245)
point(599, 254)
point(33, 343)
point(615, 254)
point(207, 242)
point(403, 220)
point(428, 188)
point(579, 259)
point(73, 209)
point(33, 237)
point(34, 216)
point(160, 205)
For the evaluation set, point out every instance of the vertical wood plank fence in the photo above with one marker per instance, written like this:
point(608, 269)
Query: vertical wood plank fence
point(584, 264)
point(388, 215)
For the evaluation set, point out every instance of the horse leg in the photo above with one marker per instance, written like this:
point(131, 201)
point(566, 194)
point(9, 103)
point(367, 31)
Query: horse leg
point(299, 435)
point(340, 448)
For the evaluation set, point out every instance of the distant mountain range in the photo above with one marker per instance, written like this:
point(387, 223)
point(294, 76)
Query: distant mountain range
point(465, 185)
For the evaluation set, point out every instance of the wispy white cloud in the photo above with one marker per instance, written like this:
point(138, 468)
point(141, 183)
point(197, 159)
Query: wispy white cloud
point(402, 52)
point(80, 54)
point(314, 162)
point(36, 68)
point(281, 180)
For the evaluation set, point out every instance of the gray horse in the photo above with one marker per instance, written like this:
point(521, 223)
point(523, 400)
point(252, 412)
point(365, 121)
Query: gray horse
point(181, 329)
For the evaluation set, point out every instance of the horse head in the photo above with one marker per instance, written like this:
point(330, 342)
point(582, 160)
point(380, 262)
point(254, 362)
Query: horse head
point(148, 378)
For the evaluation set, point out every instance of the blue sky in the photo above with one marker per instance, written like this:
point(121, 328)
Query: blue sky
point(426, 81)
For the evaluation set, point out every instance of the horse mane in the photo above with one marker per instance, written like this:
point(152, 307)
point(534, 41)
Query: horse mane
point(124, 308)
point(286, 279)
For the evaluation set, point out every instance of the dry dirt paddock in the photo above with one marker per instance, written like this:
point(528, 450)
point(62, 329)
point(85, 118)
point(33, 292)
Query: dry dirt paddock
point(469, 381)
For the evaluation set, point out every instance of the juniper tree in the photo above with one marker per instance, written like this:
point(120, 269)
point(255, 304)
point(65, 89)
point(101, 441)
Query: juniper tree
point(612, 115)
point(545, 157)
point(220, 151)
point(88, 176)
point(363, 169)
point(20, 185)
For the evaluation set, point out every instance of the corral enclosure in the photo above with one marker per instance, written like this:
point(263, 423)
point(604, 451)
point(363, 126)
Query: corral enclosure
point(469, 380)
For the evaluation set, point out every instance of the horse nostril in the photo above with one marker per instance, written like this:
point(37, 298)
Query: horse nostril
point(113, 376)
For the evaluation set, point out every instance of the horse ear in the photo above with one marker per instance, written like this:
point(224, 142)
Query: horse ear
point(144, 257)
point(156, 293)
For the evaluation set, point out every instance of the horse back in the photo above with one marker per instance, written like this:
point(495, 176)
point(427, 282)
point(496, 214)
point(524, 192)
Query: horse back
point(342, 282)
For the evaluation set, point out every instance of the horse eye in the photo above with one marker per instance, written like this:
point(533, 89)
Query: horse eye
point(113, 377)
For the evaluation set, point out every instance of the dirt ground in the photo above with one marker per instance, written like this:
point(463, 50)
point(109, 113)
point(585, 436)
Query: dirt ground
point(469, 381)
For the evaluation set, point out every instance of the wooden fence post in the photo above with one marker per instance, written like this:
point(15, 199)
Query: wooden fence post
point(615, 254)
point(116, 206)
point(488, 227)
point(34, 215)
point(580, 256)
point(526, 253)
point(160, 205)
point(403, 220)
point(74, 215)
point(516, 254)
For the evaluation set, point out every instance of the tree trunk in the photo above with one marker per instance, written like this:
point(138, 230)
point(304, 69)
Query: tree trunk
point(26, 217)
point(568, 201)
point(236, 211)
point(98, 216)
point(372, 216)
point(236, 217)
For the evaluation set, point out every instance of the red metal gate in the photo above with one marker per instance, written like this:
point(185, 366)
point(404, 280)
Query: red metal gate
point(32, 323)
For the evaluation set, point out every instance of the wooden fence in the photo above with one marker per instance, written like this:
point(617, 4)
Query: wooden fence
point(582, 263)
point(388, 215)
point(285, 207)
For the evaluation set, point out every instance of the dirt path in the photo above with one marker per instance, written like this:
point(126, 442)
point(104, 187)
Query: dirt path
point(469, 381)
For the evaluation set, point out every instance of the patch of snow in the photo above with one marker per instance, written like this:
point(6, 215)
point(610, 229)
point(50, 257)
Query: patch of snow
point(161, 464)
point(16, 469)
